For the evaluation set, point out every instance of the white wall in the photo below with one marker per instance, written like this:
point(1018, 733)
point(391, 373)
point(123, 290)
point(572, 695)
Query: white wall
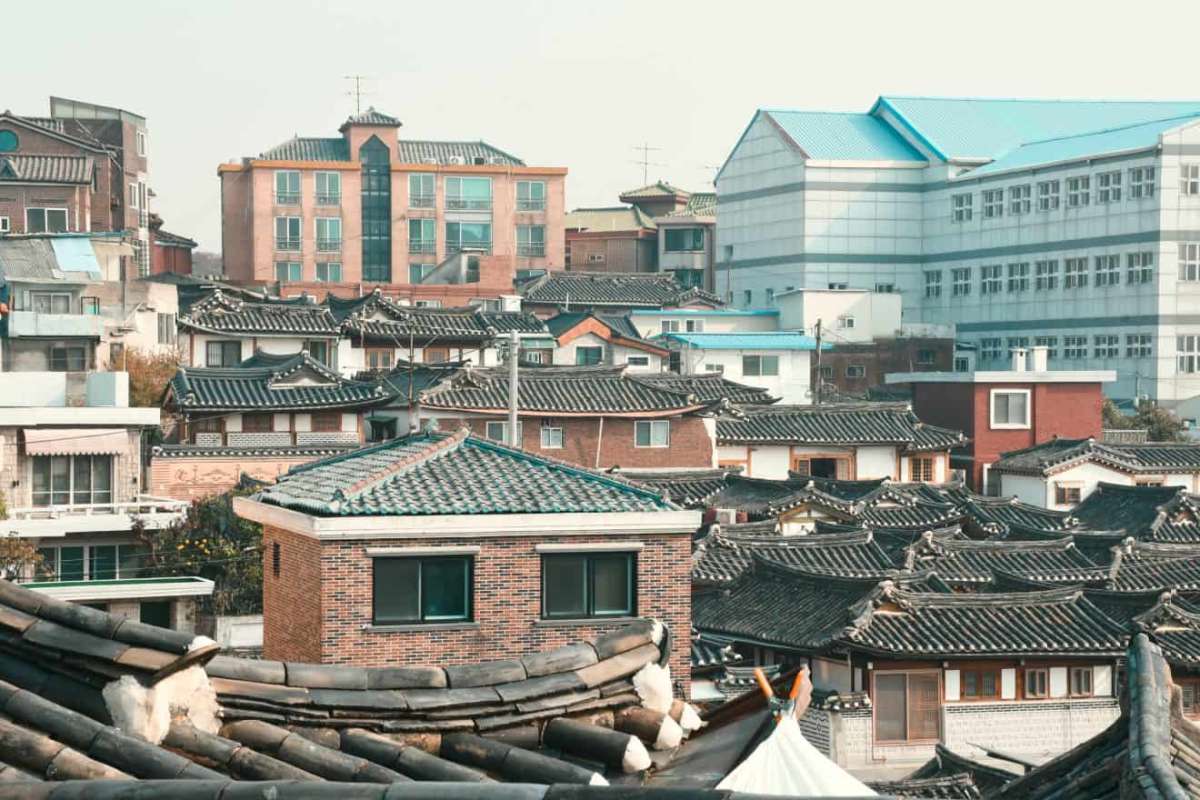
point(846, 316)
point(792, 384)
point(649, 323)
point(877, 462)
point(1039, 491)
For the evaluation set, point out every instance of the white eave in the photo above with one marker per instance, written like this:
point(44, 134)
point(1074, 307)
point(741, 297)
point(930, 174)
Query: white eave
point(91, 591)
point(1005, 376)
point(77, 416)
point(469, 526)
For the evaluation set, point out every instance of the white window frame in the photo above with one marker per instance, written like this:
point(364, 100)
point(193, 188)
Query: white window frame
point(1079, 191)
point(276, 194)
point(1106, 345)
point(1075, 348)
point(1018, 277)
point(846, 322)
point(1075, 273)
point(328, 198)
point(503, 428)
point(1108, 269)
point(1142, 182)
point(637, 361)
point(548, 433)
point(5, 224)
point(327, 243)
point(994, 425)
point(991, 348)
point(960, 281)
point(298, 271)
point(133, 196)
point(652, 425)
point(933, 283)
point(1020, 199)
point(1048, 195)
point(1139, 267)
point(1139, 345)
point(1045, 275)
point(327, 265)
point(960, 206)
point(140, 140)
point(1108, 187)
point(46, 210)
point(990, 280)
point(993, 203)
point(1189, 180)
point(1187, 354)
point(529, 202)
point(768, 365)
point(1189, 261)
point(290, 222)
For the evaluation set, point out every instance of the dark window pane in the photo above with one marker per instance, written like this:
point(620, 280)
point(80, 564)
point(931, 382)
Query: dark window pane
point(103, 565)
point(444, 589)
point(83, 479)
point(101, 479)
point(564, 585)
point(60, 480)
point(48, 568)
point(156, 613)
point(41, 480)
point(891, 707)
point(989, 684)
point(71, 566)
point(970, 684)
point(397, 590)
point(612, 585)
point(132, 558)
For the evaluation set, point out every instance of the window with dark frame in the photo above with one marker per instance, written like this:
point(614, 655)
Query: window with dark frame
point(422, 590)
point(1191, 697)
point(327, 421)
point(979, 684)
point(258, 423)
point(276, 558)
point(922, 468)
point(68, 359)
point(587, 585)
point(1081, 682)
point(222, 354)
point(1066, 494)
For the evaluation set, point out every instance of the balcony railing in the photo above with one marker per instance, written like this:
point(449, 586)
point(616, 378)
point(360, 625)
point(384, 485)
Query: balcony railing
point(469, 203)
point(420, 201)
point(329, 245)
point(329, 199)
point(287, 244)
point(142, 504)
point(421, 246)
point(531, 250)
point(287, 198)
point(531, 205)
point(55, 520)
point(275, 438)
point(474, 247)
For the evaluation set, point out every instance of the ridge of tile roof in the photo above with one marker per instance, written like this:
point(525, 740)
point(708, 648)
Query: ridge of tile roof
point(973, 563)
point(370, 117)
point(410, 151)
point(444, 474)
point(724, 556)
point(844, 423)
point(221, 312)
point(614, 219)
point(261, 383)
point(1158, 513)
point(699, 204)
point(685, 487)
point(377, 317)
point(654, 190)
point(708, 387)
point(622, 289)
point(1056, 454)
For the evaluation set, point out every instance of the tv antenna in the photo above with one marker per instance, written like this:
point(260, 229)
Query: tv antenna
point(357, 92)
point(645, 161)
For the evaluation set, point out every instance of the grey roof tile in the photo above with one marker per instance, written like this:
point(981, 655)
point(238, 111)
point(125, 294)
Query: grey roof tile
point(22, 168)
point(614, 289)
point(845, 423)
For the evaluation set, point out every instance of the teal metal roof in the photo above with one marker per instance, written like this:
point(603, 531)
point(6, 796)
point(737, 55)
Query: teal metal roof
point(966, 127)
point(1068, 148)
point(840, 136)
point(767, 340)
point(436, 473)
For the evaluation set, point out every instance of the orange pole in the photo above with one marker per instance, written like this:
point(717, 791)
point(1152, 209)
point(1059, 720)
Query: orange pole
point(796, 684)
point(763, 684)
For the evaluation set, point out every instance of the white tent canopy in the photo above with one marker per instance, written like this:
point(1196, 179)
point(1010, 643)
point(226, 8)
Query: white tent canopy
point(786, 764)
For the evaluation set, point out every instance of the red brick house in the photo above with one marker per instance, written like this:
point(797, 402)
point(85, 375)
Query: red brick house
point(169, 252)
point(1006, 410)
point(449, 548)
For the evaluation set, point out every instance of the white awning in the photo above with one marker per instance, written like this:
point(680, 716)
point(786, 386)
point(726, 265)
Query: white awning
point(75, 441)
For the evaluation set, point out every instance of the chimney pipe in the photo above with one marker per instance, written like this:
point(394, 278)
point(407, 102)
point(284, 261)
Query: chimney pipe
point(1038, 356)
point(1018, 359)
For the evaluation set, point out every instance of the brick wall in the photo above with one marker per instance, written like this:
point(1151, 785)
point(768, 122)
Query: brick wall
point(291, 600)
point(507, 602)
point(691, 445)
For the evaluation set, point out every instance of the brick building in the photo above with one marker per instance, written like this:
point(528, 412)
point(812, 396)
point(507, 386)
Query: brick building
point(448, 548)
point(84, 168)
point(169, 252)
point(367, 207)
point(1001, 410)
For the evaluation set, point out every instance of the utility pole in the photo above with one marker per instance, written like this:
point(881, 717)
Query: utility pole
point(817, 384)
point(645, 160)
point(514, 350)
point(357, 92)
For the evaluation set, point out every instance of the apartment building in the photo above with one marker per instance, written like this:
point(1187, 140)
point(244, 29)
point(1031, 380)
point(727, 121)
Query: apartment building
point(369, 207)
point(71, 471)
point(1065, 224)
point(83, 168)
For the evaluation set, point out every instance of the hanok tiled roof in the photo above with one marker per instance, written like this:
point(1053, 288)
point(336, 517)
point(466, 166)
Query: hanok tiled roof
point(437, 474)
point(710, 387)
point(614, 220)
point(997, 516)
point(613, 289)
point(1157, 513)
point(918, 514)
point(656, 190)
point(563, 391)
point(722, 557)
point(174, 239)
point(945, 787)
point(378, 318)
point(686, 487)
point(1151, 752)
point(1055, 455)
point(370, 117)
point(72, 674)
point(620, 329)
point(21, 168)
point(848, 423)
point(708, 652)
point(269, 383)
point(224, 313)
point(700, 204)
point(946, 763)
point(969, 563)
point(414, 151)
point(1052, 622)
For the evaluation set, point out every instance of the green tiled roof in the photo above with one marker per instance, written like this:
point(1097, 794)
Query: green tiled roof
point(270, 383)
point(308, 149)
point(370, 117)
point(700, 204)
point(411, 151)
point(445, 474)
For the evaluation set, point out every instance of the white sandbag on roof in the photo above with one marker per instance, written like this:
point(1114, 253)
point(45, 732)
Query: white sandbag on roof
point(786, 764)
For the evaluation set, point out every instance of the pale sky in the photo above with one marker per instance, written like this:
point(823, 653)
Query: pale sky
point(558, 84)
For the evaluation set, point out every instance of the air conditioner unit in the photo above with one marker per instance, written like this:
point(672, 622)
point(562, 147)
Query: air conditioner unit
point(430, 160)
point(456, 160)
point(479, 160)
point(496, 160)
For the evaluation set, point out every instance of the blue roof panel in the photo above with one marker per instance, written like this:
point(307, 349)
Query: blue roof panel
point(1098, 143)
point(766, 340)
point(964, 127)
point(845, 137)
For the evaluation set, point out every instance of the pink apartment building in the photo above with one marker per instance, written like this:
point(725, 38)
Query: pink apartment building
point(370, 208)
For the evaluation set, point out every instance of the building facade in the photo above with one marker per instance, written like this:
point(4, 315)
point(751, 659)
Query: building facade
point(779, 362)
point(1061, 223)
point(481, 553)
point(1005, 410)
point(370, 208)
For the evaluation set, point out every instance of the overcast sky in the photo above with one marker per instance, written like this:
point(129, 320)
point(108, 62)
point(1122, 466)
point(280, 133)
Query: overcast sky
point(558, 84)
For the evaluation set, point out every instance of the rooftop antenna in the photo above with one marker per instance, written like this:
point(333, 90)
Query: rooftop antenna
point(357, 92)
point(645, 161)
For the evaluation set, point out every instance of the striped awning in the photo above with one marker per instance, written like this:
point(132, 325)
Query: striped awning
point(75, 441)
